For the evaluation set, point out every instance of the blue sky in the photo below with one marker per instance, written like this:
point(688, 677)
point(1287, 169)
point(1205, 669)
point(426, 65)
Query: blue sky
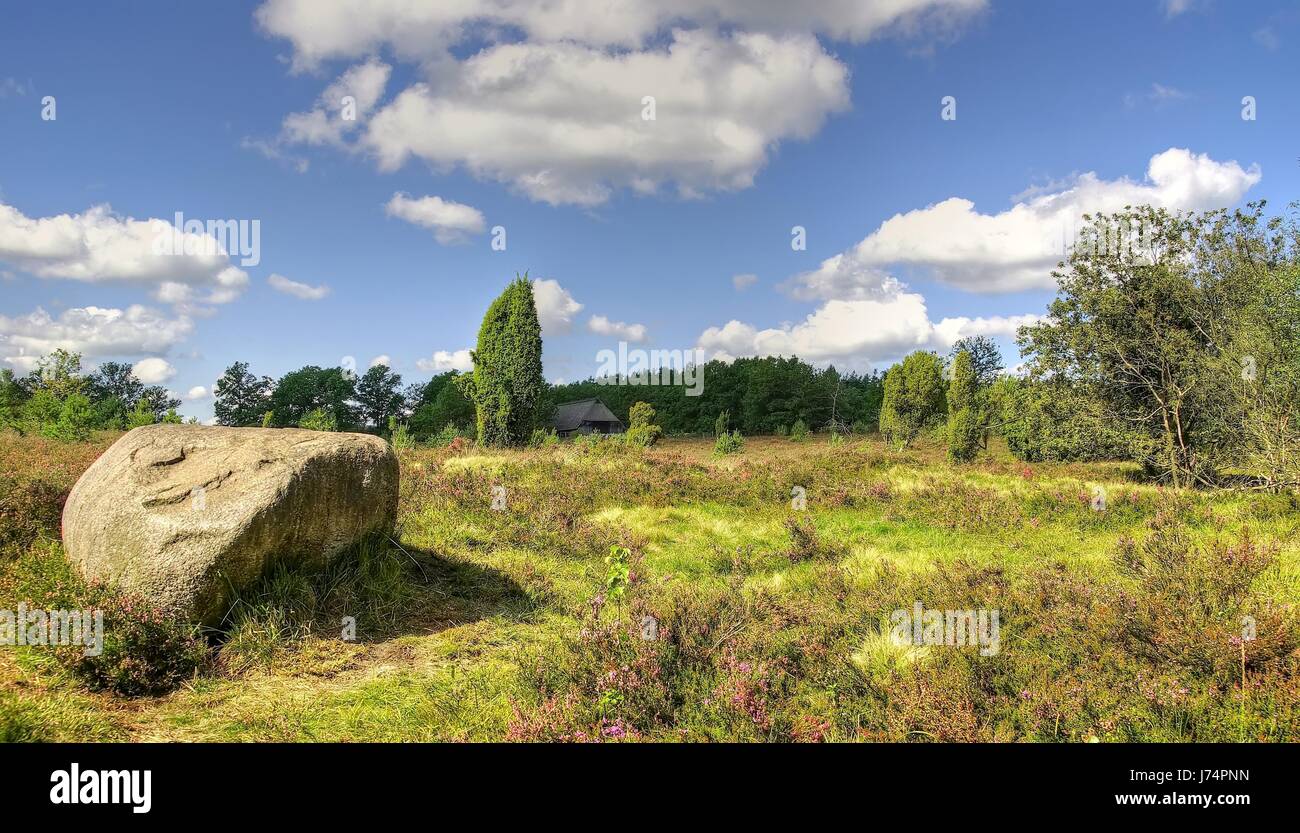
point(529, 117)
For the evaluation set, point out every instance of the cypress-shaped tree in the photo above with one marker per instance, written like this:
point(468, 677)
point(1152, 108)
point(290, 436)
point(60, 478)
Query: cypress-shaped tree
point(507, 384)
point(963, 420)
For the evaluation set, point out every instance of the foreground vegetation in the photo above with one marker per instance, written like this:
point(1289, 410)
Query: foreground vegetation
point(769, 622)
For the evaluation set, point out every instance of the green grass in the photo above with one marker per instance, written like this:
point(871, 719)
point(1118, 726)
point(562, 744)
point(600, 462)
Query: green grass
point(772, 622)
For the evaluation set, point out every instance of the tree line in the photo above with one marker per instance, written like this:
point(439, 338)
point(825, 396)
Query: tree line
point(1173, 342)
point(59, 401)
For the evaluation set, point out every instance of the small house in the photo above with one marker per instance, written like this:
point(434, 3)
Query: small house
point(586, 416)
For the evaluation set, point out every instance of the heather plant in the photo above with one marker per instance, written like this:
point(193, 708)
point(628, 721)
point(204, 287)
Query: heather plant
point(144, 650)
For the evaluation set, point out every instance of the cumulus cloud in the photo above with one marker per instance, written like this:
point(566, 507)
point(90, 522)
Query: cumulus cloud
point(558, 112)
point(153, 370)
point(451, 222)
point(197, 392)
point(1016, 249)
point(329, 29)
point(91, 331)
point(332, 118)
point(555, 307)
point(743, 282)
point(855, 333)
point(381, 359)
point(601, 325)
point(98, 246)
point(562, 122)
point(307, 292)
point(443, 360)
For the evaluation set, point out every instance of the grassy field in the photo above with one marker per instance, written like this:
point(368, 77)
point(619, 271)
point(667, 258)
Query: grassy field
point(770, 622)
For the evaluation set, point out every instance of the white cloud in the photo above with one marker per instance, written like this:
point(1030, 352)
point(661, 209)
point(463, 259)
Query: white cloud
point(743, 282)
point(322, 30)
point(442, 361)
point(451, 222)
point(556, 114)
point(1159, 92)
point(153, 371)
point(381, 359)
point(1173, 8)
point(12, 86)
point(329, 121)
point(1266, 36)
point(91, 331)
point(304, 291)
point(855, 333)
point(555, 307)
point(1016, 249)
point(601, 325)
point(98, 246)
point(562, 122)
point(274, 151)
point(197, 392)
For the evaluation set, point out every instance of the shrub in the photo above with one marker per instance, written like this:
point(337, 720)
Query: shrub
point(963, 417)
point(914, 398)
point(144, 651)
point(963, 435)
point(799, 431)
point(543, 437)
point(318, 419)
point(400, 435)
point(729, 443)
point(1194, 606)
point(722, 424)
point(140, 415)
point(641, 433)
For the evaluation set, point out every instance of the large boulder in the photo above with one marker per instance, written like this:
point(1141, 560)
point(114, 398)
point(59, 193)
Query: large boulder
point(186, 514)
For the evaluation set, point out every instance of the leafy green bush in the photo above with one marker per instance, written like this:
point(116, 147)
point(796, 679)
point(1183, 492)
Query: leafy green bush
point(139, 416)
point(543, 437)
point(318, 419)
point(399, 435)
point(729, 443)
point(963, 416)
point(641, 433)
point(1043, 420)
point(963, 435)
point(799, 431)
point(914, 398)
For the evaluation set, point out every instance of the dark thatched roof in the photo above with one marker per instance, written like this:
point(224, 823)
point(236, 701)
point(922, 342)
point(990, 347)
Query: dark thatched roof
point(571, 415)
